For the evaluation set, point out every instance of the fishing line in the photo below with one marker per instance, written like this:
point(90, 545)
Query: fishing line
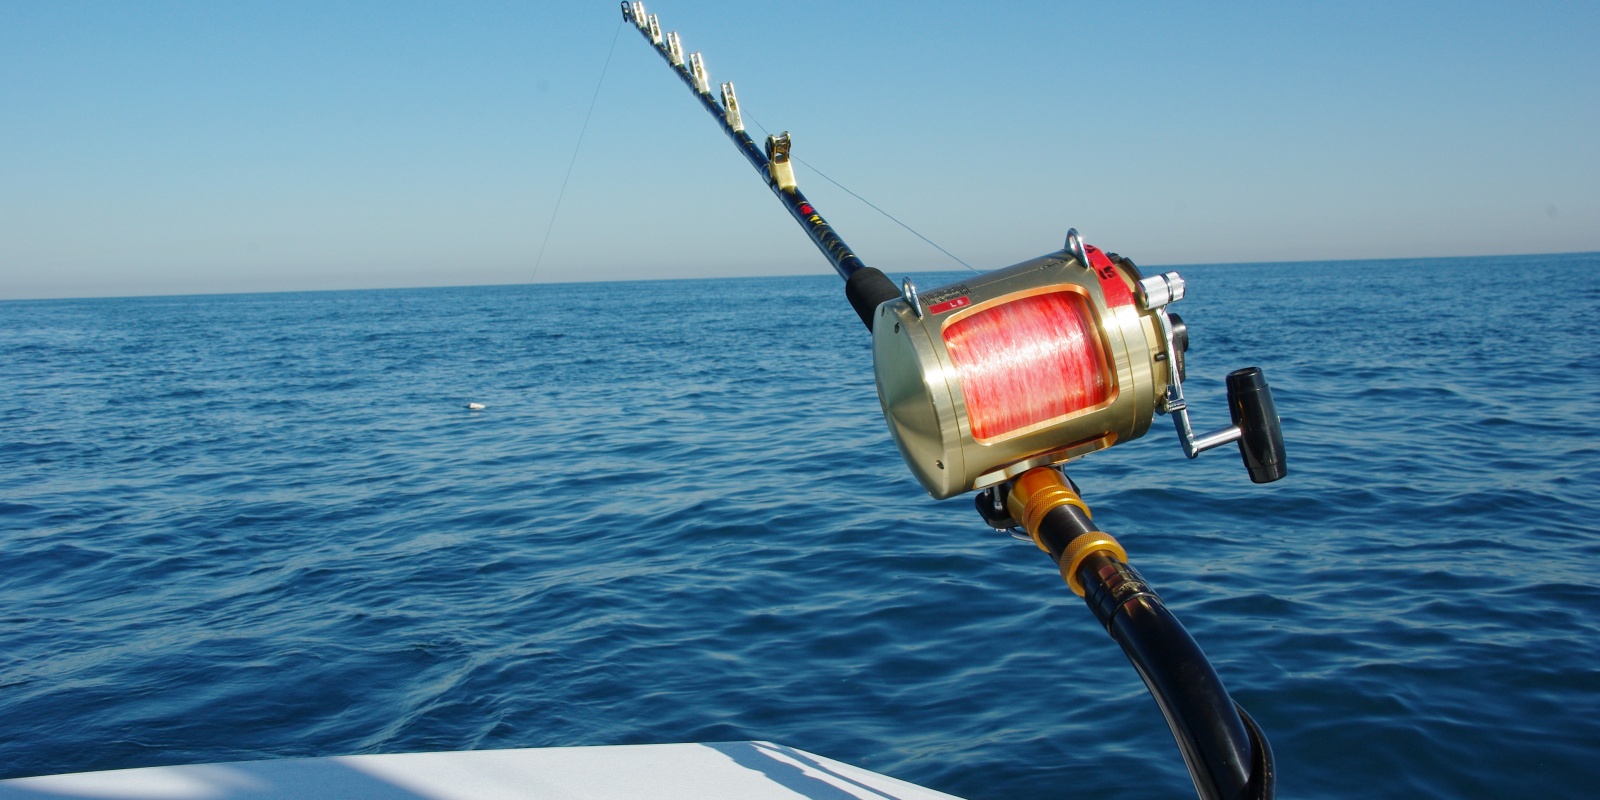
point(570, 164)
point(1027, 362)
point(869, 203)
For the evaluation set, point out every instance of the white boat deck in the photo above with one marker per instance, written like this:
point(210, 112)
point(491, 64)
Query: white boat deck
point(741, 770)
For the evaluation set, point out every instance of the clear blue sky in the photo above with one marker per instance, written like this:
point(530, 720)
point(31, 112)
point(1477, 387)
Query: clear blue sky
point(163, 147)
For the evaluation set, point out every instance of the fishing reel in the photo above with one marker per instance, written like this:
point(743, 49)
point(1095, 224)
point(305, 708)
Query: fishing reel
point(1047, 361)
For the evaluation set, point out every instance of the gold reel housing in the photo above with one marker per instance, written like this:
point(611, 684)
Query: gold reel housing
point(920, 384)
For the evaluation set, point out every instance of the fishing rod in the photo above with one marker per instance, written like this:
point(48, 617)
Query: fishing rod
point(991, 383)
point(865, 287)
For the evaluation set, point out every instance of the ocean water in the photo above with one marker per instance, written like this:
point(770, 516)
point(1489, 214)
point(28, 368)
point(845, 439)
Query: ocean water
point(264, 526)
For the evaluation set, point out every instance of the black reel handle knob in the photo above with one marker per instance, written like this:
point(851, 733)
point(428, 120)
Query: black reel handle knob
point(1256, 416)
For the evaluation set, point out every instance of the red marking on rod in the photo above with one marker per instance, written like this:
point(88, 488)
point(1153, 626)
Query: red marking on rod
point(806, 209)
point(960, 302)
point(1111, 285)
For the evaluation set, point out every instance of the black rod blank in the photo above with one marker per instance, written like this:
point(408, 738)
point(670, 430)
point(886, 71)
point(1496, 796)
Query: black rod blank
point(1226, 759)
point(1227, 755)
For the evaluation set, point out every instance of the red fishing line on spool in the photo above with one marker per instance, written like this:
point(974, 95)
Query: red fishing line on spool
point(1027, 362)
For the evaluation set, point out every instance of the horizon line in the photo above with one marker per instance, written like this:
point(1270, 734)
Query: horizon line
point(757, 277)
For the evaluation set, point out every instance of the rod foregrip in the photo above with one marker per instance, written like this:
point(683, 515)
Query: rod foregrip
point(866, 289)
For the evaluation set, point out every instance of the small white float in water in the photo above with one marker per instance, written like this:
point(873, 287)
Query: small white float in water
point(475, 406)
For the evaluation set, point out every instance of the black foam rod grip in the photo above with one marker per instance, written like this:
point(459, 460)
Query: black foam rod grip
point(866, 289)
point(1261, 439)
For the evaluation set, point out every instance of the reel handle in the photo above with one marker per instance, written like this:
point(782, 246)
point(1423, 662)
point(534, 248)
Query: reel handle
point(1256, 417)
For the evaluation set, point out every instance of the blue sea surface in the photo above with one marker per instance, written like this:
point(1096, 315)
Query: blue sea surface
point(264, 526)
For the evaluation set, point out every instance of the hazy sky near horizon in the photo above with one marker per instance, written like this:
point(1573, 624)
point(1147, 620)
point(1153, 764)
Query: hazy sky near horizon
point(196, 147)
